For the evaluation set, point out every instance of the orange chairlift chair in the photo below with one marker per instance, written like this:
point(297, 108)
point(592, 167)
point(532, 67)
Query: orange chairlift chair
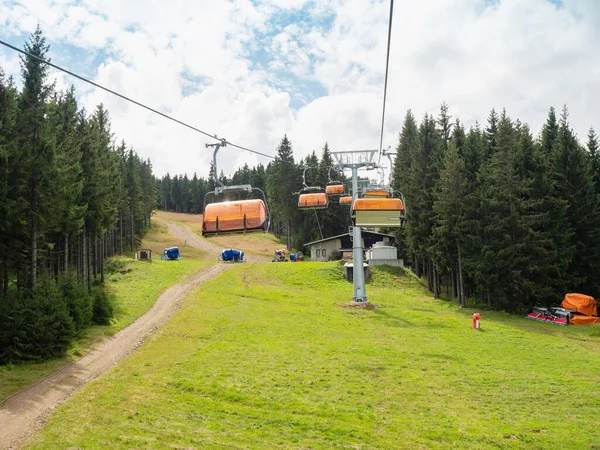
point(378, 211)
point(334, 187)
point(346, 200)
point(236, 215)
point(311, 197)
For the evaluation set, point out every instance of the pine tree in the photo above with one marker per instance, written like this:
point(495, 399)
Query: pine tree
point(451, 226)
point(282, 183)
point(402, 178)
point(490, 135)
point(445, 126)
point(8, 200)
point(594, 154)
point(549, 133)
point(36, 163)
point(574, 183)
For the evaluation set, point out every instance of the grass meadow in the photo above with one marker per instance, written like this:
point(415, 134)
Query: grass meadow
point(274, 356)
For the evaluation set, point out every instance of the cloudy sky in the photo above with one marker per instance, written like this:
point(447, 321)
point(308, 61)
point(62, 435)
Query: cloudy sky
point(252, 70)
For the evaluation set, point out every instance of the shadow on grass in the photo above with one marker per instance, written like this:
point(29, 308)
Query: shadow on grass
point(391, 320)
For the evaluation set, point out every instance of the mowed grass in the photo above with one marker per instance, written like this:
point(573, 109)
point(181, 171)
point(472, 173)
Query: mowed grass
point(134, 285)
point(270, 356)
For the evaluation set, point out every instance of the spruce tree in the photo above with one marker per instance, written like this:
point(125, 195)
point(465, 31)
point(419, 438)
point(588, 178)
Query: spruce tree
point(451, 227)
point(594, 154)
point(574, 183)
point(8, 199)
point(36, 161)
point(282, 182)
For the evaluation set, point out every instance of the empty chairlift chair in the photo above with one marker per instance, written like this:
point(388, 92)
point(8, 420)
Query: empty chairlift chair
point(376, 192)
point(313, 201)
point(311, 197)
point(235, 215)
point(232, 216)
point(346, 200)
point(378, 212)
point(334, 189)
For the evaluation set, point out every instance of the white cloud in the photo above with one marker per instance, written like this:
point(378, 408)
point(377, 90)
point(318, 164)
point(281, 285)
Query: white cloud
point(193, 60)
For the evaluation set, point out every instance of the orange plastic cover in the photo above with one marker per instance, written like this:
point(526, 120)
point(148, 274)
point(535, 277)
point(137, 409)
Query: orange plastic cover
point(231, 215)
point(378, 193)
point(378, 204)
point(581, 303)
point(345, 200)
point(312, 201)
point(334, 189)
point(583, 320)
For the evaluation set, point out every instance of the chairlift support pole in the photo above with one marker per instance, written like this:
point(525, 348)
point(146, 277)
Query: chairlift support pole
point(355, 160)
point(360, 291)
point(217, 146)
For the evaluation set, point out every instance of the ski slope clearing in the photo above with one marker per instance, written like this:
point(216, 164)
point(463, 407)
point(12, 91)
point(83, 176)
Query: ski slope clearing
point(266, 356)
point(257, 246)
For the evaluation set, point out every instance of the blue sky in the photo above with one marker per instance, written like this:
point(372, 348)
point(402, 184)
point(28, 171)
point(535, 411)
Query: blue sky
point(253, 71)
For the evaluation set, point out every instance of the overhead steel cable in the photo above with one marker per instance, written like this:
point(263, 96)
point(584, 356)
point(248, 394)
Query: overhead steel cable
point(387, 64)
point(191, 127)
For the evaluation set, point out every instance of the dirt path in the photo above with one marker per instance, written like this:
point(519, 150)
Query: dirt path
point(184, 233)
point(25, 413)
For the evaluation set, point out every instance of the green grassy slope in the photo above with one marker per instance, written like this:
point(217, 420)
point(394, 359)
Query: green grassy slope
point(267, 356)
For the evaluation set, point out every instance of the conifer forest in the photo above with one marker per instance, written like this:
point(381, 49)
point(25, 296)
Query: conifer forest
point(70, 197)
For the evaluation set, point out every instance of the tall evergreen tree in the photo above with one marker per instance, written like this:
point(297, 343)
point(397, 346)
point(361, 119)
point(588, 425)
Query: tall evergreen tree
point(282, 183)
point(574, 182)
point(449, 208)
point(594, 152)
point(36, 162)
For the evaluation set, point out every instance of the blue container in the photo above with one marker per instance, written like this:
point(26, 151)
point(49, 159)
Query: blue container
point(172, 253)
point(231, 254)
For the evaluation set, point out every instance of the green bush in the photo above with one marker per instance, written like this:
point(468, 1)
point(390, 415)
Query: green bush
point(36, 325)
point(103, 308)
point(78, 301)
point(335, 256)
point(114, 265)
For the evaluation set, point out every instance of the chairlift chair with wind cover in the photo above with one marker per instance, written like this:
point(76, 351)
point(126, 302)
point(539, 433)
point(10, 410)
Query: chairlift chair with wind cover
point(374, 211)
point(235, 216)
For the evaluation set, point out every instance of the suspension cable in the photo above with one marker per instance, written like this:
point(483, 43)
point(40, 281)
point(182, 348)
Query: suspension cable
point(212, 136)
point(387, 63)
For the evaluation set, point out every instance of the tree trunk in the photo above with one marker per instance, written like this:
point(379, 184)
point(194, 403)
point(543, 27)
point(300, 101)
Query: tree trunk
point(460, 278)
point(34, 237)
point(84, 259)
point(102, 259)
point(132, 230)
point(121, 233)
point(95, 258)
point(6, 276)
point(436, 293)
point(2, 269)
point(88, 265)
point(66, 253)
